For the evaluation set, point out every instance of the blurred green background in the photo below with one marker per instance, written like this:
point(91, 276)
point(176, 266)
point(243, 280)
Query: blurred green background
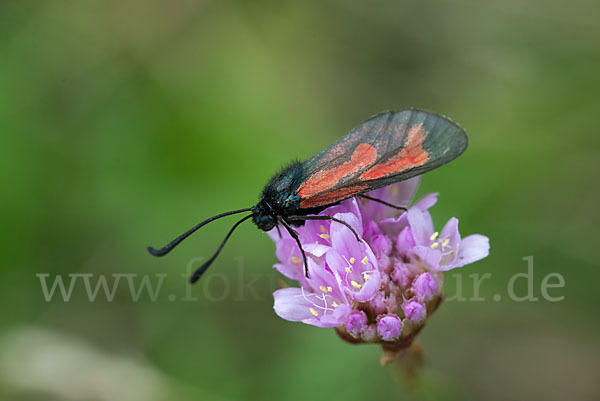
point(125, 122)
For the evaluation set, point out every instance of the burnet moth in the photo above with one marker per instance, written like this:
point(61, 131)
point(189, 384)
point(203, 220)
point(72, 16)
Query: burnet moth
point(387, 148)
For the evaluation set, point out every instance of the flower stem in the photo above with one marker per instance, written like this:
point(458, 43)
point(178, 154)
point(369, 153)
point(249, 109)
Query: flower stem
point(407, 362)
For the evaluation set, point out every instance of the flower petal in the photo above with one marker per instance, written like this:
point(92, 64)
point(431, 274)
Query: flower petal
point(450, 231)
point(392, 226)
point(369, 288)
point(289, 271)
point(473, 248)
point(342, 239)
point(317, 250)
point(337, 318)
point(362, 279)
point(405, 241)
point(294, 305)
point(287, 251)
point(421, 225)
point(291, 305)
point(426, 202)
point(449, 243)
point(431, 257)
point(399, 194)
point(406, 191)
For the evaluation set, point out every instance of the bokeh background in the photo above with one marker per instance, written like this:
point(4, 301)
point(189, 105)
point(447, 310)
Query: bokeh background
point(123, 123)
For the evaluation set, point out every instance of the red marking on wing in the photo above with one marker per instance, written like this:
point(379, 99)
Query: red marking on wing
point(412, 155)
point(331, 197)
point(364, 155)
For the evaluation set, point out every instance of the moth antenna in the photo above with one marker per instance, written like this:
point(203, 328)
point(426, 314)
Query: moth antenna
point(200, 271)
point(169, 247)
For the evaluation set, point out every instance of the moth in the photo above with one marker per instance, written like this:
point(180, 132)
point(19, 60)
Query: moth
point(387, 148)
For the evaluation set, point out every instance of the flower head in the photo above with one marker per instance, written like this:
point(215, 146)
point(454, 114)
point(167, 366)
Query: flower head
point(383, 287)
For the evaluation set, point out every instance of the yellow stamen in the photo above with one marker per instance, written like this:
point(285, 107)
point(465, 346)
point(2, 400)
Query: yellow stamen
point(365, 260)
point(335, 304)
point(329, 289)
point(324, 236)
point(322, 288)
point(355, 284)
point(322, 228)
point(348, 270)
point(446, 242)
point(314, 312)
point(435, 245)
point(366, 276)
point(296, 260)
point(352, 260)
point(434, 236)
point(393, 189)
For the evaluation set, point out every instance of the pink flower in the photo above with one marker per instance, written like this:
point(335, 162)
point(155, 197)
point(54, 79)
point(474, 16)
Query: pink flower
point(368, 290)
point(321, 301)
point(444, 251)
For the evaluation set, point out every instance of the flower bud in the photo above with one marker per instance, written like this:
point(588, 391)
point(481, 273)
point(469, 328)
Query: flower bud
point(385, 263)
point(356, 323)
point(389, 327)
point(369, 333)
point(371, 230)
point(414, 310)
point(401, 275)
point(405, 240)
point(380, 244)
point(425, 287)
point(378, 304)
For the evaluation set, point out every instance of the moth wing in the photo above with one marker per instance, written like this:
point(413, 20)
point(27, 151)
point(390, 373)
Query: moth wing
point(388, 148)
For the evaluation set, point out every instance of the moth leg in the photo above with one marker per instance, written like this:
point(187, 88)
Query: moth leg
point(294, 235)
point(302, 218)
point(383, 202)
point(278, 230)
